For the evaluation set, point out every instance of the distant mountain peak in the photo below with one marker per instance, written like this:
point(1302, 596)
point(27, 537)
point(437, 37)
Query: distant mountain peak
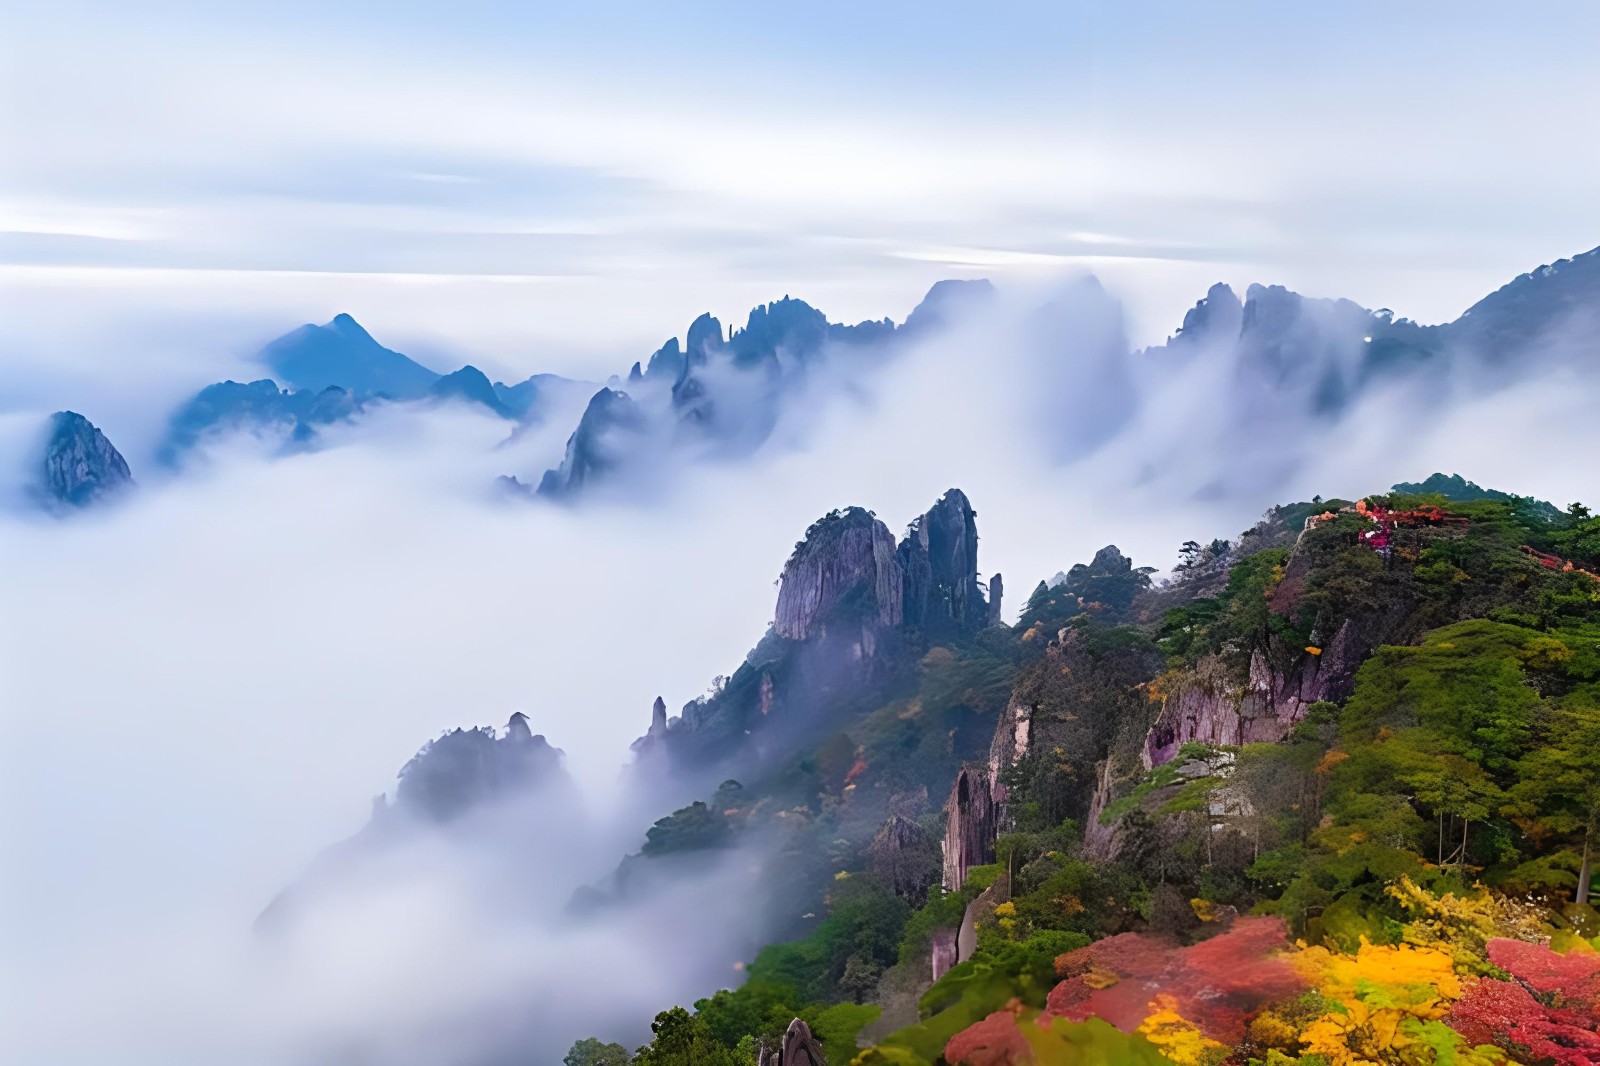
point(346, 324)
point(471, 384)
point(343, 353)
point(947, 300)
point(80, 466)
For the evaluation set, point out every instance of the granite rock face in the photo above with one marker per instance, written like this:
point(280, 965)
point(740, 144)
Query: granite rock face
point(846, 563)
point(1216, 319)
point(798, 1048)
point(667, 362)
point(653, 744)
point(973, 815)
point(996, 598)
point(1213, 705)
point(610, 427)
point(80, 467)
point(939, 557)
point(839, 639)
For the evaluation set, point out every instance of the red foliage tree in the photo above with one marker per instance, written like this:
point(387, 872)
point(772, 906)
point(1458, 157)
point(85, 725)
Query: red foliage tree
point(1507, 1015)
point(995, 1041)
point(1218, 984)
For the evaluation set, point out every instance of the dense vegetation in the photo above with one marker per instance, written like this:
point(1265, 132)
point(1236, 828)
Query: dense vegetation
point(1400, 874)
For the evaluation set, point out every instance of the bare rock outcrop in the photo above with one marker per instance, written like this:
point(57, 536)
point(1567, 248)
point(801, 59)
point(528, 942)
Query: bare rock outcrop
point(1210, 707)
point(606, 437)
point(653, 743)
point(972, 823)
point(799, 1048)
point(939, 556)
point(80, 466)
point(996, 595)
point(845, 566)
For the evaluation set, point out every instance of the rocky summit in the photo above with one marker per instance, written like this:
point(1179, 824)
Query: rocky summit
point(80, 466)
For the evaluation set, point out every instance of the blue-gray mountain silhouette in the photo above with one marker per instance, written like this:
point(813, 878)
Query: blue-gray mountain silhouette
point(342, 353)
point(79, 466)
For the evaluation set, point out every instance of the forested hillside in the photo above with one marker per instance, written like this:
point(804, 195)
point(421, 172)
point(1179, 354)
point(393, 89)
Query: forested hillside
point(1327, 795)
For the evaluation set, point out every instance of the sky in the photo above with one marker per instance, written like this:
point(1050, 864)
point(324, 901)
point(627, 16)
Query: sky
point(560, 187)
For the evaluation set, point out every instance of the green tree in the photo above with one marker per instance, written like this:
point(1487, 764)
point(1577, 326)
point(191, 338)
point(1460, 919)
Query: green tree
point(1558, 788)
point(591, 1052)
point(681, 1039)
point(860, 977)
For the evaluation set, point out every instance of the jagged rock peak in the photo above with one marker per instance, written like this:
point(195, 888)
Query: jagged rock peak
point(940, 559)
point(1110, 560)
point(666, 363)
point(947, 301)
point(471, 384)
point(598, 445)
point(517, 727)
point(80, 466)
point(844, 570)
point(996, 597)
point(704, 338)
point(346, 324)
point(653, 743)
point(1217, 317)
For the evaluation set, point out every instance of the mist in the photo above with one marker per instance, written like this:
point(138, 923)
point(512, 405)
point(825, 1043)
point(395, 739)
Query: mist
point(206, 683)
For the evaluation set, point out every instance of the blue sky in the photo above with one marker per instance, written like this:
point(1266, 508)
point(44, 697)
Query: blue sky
point(559, 185)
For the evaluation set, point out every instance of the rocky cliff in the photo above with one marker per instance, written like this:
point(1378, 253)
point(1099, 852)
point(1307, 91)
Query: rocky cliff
point(80, 466)
point(844, 571)
point(1208, 706)
point(611, 426)
point(939, 558)
point(972, 823)
point(840, 635)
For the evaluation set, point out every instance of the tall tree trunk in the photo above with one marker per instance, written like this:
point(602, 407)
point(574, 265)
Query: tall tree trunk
point(1440, 852)
point(1584, 869)
point(1465, 822)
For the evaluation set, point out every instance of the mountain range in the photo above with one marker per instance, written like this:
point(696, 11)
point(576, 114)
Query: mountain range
point(1264, 376)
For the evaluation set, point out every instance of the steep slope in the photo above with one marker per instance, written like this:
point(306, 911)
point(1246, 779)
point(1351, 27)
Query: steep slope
point(844, 635)
point(720, 395)
point(1399, 764)
point(470, 385)
point(344, 354)
point(1548, 313)
point(79, 466)
point(605, 440)
point(541, 395)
